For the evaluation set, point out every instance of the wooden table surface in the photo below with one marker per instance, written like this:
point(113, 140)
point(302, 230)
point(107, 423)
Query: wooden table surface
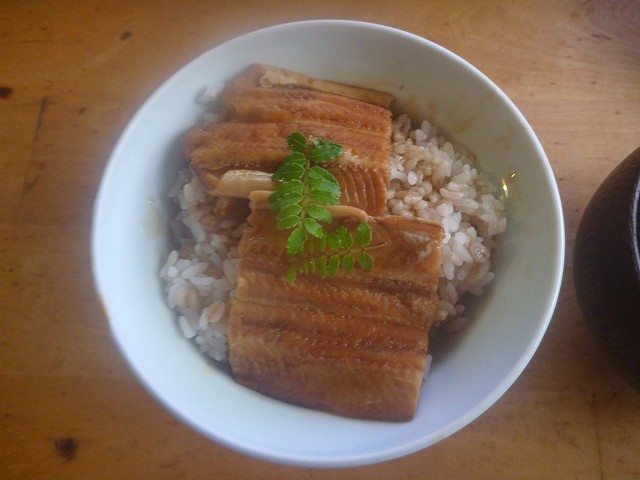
point(72, 73)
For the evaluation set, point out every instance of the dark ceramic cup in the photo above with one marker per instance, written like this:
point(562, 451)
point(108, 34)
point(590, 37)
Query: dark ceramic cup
point(606, 266)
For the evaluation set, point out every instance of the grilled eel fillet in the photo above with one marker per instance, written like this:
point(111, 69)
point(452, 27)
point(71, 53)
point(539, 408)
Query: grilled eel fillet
point(260, 115)
point(354, 344)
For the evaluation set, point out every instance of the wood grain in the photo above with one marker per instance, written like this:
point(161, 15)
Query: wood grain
point(71, 75)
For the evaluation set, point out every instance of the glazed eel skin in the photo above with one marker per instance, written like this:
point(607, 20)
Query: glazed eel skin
point(354, 344)
point(258, 115)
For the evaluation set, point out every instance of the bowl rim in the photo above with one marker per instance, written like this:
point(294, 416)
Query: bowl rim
point(406, 447)
point(634, 224)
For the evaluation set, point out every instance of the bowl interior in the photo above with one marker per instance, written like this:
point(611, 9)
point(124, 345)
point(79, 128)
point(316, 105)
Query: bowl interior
point(471, 370)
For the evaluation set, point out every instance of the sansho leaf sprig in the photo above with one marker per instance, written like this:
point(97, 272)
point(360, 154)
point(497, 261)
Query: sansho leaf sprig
point(300, 202)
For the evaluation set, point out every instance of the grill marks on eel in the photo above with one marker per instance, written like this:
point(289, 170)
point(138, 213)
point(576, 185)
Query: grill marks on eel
point(260, 118)
point(354, 344)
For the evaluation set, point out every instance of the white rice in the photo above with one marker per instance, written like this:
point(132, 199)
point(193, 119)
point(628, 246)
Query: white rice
point(430, 179)
point(200, 274)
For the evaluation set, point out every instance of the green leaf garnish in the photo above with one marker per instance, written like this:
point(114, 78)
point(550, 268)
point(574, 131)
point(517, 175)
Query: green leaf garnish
point(291, 187)
point(363, 234)
point(334, 264)
point(288, 222)
point(348, 262)
point(291, 274)
point(283, 201)
point(296, 241)
point(319, 213)
point(325, 151)
point(288, 210)
point(292, 168)
point(297, 142)
point(365, 261)
point(344, 237)
point(313, 227)
point(321, 265)
point(300, 204)
point(323, 186)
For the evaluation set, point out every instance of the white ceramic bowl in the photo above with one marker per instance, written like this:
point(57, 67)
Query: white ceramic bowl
point(470, 371)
